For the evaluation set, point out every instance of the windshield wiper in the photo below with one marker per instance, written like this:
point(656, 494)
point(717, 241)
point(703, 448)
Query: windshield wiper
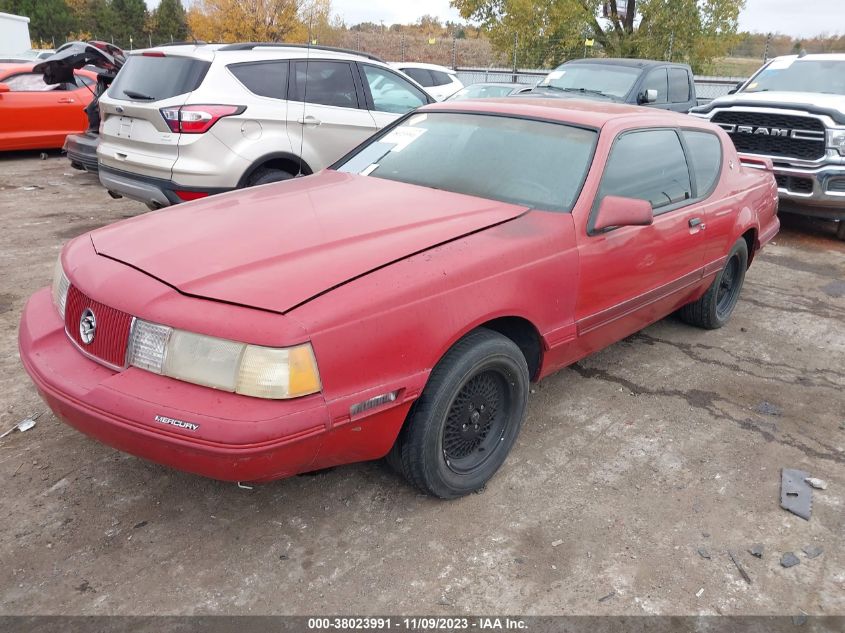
point(138, 95)
point(579, 90)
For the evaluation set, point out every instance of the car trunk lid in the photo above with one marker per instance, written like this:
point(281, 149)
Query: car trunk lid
point(275, 247)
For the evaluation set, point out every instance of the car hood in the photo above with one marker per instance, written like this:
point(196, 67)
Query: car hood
point(811, 102)
point(277, 246)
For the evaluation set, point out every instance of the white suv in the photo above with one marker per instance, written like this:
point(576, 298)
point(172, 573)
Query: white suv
point(440, 82)
point(183, 122)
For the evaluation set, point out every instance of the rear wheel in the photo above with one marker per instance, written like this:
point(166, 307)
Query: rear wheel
point(462, 427)
point(840, 230)
point(266, 175)
point(714, 309)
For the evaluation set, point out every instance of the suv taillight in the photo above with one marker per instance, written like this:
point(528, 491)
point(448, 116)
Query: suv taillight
point(197, 119)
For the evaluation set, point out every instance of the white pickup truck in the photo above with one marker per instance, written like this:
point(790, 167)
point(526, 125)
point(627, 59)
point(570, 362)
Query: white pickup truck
point(793, 111)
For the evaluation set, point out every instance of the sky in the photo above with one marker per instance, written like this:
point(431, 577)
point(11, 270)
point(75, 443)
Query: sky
point(799, 18)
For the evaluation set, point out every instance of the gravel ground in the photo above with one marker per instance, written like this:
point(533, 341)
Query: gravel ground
point(631, 467)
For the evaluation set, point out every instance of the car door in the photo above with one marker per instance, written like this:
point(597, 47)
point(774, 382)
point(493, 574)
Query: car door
point(632, 276)
point(37, 114)
point(327, 114)
point(658, 80)
point(389, 95)
point(680, 90)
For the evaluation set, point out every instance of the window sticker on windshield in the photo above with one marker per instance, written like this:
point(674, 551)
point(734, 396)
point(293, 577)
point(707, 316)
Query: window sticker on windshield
point(369, 169)
point(781, 64)
point(753, 85)
point(555, 74)
point(401, 137)
point(417, 119)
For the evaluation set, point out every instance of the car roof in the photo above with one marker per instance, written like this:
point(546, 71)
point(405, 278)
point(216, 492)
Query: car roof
point(832, 57)
point(619, 61)
point(581, 112)
point(422, 65)
point(247, 51)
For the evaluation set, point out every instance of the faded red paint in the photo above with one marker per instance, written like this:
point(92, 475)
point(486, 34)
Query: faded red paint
point(382, 278)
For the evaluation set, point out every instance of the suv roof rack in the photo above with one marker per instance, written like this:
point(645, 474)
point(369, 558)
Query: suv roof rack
point(186, 43)
point(248, 46)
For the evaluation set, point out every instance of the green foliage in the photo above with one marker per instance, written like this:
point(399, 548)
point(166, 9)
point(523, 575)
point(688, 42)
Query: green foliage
point(548, 31)
point(131, 18)
point(48, 18)
point(169, 22)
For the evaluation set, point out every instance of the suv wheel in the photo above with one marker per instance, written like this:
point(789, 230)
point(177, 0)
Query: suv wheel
point(266, 175)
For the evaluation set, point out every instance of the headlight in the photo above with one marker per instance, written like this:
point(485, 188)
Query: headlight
point(60, 287)
point(250, 370)
point(836, 140)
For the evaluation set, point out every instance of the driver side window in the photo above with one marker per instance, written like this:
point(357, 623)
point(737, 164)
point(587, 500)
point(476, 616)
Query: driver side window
point(392, 93)
point(648, 165)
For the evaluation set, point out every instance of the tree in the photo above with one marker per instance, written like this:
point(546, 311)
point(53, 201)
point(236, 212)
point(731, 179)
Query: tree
point(130, 20)
point(169, 22)
point(691, 30)
point(49, 20)
point(248, 21)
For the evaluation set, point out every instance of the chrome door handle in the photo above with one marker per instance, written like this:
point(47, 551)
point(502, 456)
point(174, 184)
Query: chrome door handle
point(694, 222)
point(67, 100)
point(310, 120)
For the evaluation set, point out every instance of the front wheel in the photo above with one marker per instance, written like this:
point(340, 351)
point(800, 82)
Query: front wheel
point(714, 308)
point(462, 427)
point(266, 175)
point(840, 230)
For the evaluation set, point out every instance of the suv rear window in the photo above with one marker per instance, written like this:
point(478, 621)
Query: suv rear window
point(148, 78)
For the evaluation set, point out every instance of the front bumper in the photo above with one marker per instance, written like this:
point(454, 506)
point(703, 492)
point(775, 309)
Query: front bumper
point(154, 192)
point(236, 438)
point(81, 151)
point(817, 192)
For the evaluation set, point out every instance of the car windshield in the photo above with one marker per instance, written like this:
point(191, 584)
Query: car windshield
point(537, 164)
point(607, 79)
point(482, 91)
point(800, 75)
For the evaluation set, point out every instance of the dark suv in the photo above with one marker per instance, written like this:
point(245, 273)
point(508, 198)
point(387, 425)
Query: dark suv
point(637, 81)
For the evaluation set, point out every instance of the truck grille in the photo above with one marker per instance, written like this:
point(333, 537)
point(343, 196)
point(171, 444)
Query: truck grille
point(762, 133)
point(112, 330)
point(795, 183)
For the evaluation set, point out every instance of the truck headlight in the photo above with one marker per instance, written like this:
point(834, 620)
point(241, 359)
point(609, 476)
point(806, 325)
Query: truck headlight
point(250, 370)
point(836, 140)
point(60, 287)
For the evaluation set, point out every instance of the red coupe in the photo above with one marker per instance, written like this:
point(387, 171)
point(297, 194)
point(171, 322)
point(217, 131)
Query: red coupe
point(398, 303)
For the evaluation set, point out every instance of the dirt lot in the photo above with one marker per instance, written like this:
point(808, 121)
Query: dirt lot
point(628, 463)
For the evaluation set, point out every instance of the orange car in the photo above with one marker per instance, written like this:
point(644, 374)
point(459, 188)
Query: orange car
point(37, 115)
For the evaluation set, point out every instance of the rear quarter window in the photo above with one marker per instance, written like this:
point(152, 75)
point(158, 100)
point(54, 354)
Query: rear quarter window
point(705, 152)
point(158, 78)
point(440, 78)
point(421, 75)
point(266, 79)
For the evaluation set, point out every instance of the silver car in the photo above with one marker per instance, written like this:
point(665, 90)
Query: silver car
point(184, 122)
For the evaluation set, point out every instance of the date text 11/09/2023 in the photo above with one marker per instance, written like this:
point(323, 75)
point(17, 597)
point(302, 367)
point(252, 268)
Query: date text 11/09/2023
point(416, 623)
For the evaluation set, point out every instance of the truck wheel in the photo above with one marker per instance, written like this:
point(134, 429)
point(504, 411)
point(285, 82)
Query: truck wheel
point(840, 230)
point(462, 427)
point(714, 308)
point(266, 175)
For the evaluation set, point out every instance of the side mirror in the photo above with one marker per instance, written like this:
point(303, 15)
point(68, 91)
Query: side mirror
point(649, 96)
point(617, 211)
point(4, 88)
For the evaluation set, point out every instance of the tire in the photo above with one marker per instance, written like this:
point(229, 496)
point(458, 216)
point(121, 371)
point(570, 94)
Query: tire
point(714, 308)
point(462, 427)
point(840, 230)
point(266, 175)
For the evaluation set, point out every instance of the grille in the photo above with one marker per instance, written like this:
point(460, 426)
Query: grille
point(837, 185)
point(775, 145)
point(795, 183)
point(111, 335)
